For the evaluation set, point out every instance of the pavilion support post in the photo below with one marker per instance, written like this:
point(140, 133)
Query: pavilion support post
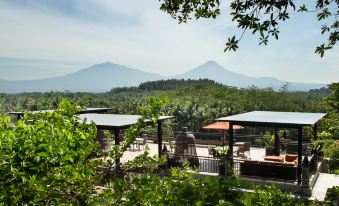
point(159, 138)
point(315, 131)
point(223, 138)
point(228, 161)
point(276, 142)
point(230, 142)
point(300, 142)
point(117, 142)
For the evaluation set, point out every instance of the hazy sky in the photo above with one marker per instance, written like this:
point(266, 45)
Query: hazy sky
point(42, 38)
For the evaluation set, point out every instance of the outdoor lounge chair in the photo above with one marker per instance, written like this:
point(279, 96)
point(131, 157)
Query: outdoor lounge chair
point(245, 148)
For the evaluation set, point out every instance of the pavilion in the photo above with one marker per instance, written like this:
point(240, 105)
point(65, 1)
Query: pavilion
point(275, 120)
point(118, 122)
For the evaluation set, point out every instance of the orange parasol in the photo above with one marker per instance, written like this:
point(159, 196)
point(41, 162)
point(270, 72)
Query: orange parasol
point(221, 126)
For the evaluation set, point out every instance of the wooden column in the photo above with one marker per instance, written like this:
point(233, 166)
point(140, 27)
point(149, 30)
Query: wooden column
point(159, 137)
point(300, 144)
point(117, 142)
point(230, 141)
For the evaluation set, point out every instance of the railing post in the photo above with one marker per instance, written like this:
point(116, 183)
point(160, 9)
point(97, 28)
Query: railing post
point(230, 144)
point(300, 139)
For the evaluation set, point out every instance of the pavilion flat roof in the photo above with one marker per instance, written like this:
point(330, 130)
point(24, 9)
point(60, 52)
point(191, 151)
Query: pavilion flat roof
point(268, 118)
point(114, 121)
point(82, 111)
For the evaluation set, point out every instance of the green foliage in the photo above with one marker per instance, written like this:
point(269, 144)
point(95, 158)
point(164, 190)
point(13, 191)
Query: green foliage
point(269, 141)
point(181, 188)
point(182, 9)
point(44, 156)
point(333, 99)
point(269, 195)
point(194, 103)
point(330, 149)
point(330, 130)
point(44, 159)
point(176, 83)
point(144, 161)
point(260, 17)
point(332, 196)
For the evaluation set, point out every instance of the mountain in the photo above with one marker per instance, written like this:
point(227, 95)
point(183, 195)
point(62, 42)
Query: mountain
point(105, 76)
point(97, 78)
point(214, 71)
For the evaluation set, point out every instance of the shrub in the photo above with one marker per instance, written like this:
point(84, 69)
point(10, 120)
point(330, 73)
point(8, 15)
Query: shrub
point(44, 159)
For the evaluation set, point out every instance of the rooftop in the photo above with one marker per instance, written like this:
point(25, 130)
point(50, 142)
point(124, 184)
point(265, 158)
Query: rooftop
point(112, 121)
point(266, 118)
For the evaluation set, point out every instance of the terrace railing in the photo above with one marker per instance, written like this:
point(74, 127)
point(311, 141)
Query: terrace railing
point(201, 163)
point(236, 165)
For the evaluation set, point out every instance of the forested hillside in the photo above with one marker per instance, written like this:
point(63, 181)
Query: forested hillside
point(192, 102)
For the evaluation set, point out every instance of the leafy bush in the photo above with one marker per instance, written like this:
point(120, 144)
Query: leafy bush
point(44, 159)
point(269, 195)
point(332, 196)
point(330, 130)
point(180, 188)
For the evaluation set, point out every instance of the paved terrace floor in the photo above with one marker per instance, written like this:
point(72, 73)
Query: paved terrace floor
point(324, 182)
point(255, 153)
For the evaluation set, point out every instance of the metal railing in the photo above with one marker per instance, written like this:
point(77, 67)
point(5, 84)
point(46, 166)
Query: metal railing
point(201, 163)
point(236, 166)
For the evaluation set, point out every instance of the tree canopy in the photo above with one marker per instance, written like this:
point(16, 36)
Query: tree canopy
point(260, 17)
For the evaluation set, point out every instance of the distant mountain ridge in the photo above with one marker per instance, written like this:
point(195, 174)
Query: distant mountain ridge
point(97, 78)
point(105, 76)
point(214, 71)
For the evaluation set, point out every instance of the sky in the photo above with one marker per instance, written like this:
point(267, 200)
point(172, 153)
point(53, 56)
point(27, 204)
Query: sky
point(45, 38)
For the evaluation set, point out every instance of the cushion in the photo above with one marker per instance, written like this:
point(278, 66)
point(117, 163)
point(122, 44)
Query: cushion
point(290, 163)
point(274, 158)
point(291, 158)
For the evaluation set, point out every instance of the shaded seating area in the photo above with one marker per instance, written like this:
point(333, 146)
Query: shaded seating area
point(118, 122)
point(276, 166)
